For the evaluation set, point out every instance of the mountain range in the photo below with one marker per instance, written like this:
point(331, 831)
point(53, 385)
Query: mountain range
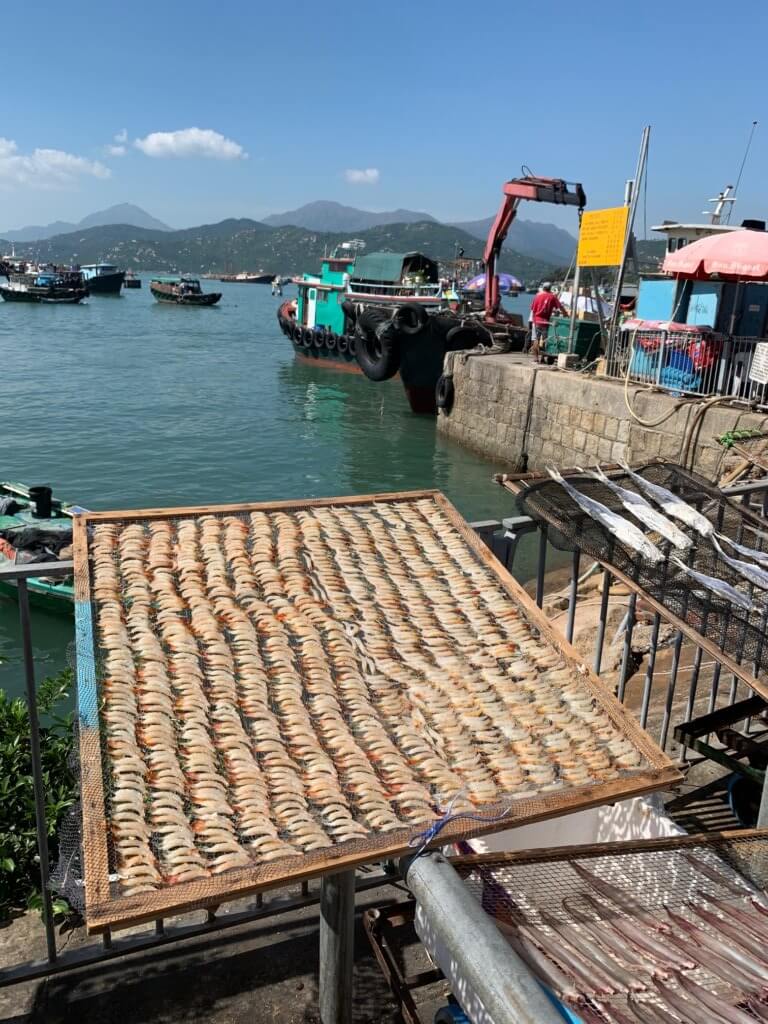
point(251, 245)
point(123, 213)
point(542, 241)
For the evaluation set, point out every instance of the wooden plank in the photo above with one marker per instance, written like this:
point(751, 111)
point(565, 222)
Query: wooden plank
point(122, 911)
point(95, 856)
point(288, 505)
point(560, 853)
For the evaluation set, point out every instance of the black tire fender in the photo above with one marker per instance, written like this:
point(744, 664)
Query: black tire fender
point(330, 341)
point(377, 350)
point(317, 337)
point(466, 336)
point(444, 392)
point(342, 345)
point(410, 319)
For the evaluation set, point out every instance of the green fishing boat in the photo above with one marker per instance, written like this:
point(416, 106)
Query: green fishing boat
point(36, 527)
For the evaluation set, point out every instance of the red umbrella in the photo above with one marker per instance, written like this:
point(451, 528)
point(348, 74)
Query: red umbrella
point(730, 254)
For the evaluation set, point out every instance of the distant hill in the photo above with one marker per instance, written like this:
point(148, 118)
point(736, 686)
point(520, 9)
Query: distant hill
point(122, 213)
point(325, 215)
point(233, 245)
point(542, 241)
point(534, 238)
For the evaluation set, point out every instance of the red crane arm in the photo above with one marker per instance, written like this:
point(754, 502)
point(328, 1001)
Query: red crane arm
point(539, 190)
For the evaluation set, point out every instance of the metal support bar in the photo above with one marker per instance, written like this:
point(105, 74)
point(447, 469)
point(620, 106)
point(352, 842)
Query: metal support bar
point(12, 571)
point(337, 942)
point(762, 814)
point(541, 565)
point(600, 640)
point(627, 653)
point(41, 823)
point(508, 991)
point(647, 686)
point(573, 595)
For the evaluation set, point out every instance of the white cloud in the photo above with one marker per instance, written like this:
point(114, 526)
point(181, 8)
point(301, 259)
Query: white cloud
point(117, 146)
point(191, 142)
point(366, 176)
point(45, 168)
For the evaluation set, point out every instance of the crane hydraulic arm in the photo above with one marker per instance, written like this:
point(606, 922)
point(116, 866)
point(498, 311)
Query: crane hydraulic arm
point(539, 190)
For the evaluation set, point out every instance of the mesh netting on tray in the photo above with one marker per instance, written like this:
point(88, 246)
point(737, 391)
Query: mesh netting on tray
point(265, 693)
point(737, 632)
point(598, 928)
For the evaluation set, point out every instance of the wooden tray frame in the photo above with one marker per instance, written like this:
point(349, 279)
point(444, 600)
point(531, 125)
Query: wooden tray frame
point(105, 911)
point(518, 484)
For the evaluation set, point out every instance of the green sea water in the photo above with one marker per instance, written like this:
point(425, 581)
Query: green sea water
point(125, 403)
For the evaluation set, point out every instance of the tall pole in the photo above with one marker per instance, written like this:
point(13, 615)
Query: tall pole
point(337, 939)
point(641, 162)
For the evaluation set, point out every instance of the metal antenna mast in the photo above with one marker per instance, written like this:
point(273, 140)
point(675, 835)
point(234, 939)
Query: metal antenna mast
point(741, 169)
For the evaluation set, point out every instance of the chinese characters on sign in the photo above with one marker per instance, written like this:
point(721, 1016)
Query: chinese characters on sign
point(601, 238)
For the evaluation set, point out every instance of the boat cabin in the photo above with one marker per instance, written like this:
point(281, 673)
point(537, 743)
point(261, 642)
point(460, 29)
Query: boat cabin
point(92, 270)
point(378, 278)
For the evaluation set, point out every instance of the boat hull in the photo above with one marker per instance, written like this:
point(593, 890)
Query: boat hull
point(64, 297)
point(206, 299)
point(105, 284)
point(132, 282)
point(58, 598)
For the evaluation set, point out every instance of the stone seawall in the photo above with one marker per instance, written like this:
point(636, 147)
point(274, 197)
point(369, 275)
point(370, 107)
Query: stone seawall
point(506, 407)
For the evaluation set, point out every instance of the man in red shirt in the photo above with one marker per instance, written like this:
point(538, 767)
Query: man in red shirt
point(542, 308)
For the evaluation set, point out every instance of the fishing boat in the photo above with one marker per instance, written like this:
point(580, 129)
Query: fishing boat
point(63, 289)
point(371, 314)
point(36, 527)
point(102, 278)
point(131, 280)
point(246, 278)
point(183, 291)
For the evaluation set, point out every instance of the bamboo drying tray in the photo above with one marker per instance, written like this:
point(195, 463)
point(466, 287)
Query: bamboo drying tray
point(424, 568)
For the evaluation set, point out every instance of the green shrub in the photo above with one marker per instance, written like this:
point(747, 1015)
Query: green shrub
point(19, 862)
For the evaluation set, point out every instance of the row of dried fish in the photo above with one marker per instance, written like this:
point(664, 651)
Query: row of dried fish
point(753, 572)
point(279, 683)
point(611, 944)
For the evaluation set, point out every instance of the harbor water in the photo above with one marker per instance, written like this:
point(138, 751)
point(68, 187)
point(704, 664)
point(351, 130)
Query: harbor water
point(125, 403)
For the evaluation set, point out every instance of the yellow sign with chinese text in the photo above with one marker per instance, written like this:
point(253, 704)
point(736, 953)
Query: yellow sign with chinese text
point(601, 238)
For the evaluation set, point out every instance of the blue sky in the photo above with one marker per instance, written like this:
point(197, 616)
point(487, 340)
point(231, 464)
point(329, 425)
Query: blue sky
point(433, 104)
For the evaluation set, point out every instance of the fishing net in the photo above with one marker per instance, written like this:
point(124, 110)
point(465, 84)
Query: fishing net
point(265, 694)
point(545, 891)
point(737, 633)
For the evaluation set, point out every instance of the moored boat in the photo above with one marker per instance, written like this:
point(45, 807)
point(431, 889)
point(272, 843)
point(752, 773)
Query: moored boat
point(63, 289)
point(102, 278)
point(377, 314)
point(131, 280)
point(182, 291)
point(246, 278)
point(36, 527)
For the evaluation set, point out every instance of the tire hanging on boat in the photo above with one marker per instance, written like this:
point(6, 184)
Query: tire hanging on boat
point(377, 351)
point(410, 319)
point(317, 337)
point(342, 345)
point(330, 341)
point(444, 393)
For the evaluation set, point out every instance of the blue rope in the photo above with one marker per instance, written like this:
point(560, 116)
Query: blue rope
point(423, 839)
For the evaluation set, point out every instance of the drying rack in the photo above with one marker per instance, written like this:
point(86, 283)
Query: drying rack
point(106, 907)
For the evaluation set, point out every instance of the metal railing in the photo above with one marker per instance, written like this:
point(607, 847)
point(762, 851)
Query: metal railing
point(503, 539)
point(687, 362)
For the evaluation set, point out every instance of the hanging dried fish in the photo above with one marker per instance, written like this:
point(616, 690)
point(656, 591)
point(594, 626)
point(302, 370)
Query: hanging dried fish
point(626, 532)
point(672, 504)
point(753, 573)
point(740, 959)
point(719, 587)
point(644, 511)
point(718, 1006)
point(758, 556)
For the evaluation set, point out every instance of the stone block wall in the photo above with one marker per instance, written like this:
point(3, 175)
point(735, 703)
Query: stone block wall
point(506, 406)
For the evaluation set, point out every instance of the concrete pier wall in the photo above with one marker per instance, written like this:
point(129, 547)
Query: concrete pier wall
point(506, 406)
